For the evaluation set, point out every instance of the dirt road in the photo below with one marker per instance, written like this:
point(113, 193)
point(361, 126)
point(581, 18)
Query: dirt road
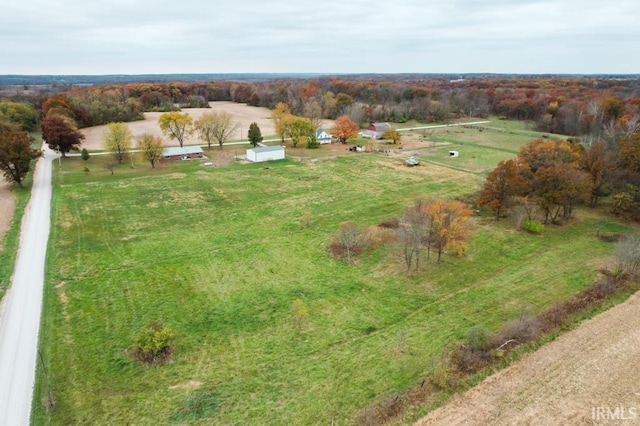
point(588, 376)
point(21, 306)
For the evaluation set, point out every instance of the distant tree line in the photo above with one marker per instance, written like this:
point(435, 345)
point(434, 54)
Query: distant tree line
point(571, 106)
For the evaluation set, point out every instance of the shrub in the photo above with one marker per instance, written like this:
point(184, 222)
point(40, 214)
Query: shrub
point(519, 331)
point(533, 227)
point(443, 376)
point(627, 254)
point(478, 339)
point(154, 345)
point(313, 143)
point(391, 223)
point(475, 352)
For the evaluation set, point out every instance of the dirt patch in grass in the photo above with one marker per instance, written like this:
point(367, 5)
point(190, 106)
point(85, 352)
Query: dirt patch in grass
point(8, 203)
point(565, 382)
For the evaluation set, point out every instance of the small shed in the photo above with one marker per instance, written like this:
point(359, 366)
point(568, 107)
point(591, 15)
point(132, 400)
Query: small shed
point(265, 153)
point(176, 153)
point(322, 136)
point(376, 130)
point(453, 153)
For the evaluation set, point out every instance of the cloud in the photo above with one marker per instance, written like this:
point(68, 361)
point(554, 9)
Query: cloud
point(119, 36)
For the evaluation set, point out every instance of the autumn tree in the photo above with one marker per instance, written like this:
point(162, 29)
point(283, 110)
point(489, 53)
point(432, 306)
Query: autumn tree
point(343, 101)
point(176, 125)
point(117, 139)
point(554, 178)
point(626, 199)
point(280, 115)
point(21, 113)
point(344, 129)
point(254, 135)
point(449, 226)
point(16, 153)
point(151, 147)
point(541, 153)
point(61, 133)
point(224, 127)
point(391, 135)
point(502, 186)
point(596, 161)
point(558, 189)
point(205, 126)
point(298, 129)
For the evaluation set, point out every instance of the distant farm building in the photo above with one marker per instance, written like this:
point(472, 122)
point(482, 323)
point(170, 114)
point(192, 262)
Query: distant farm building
point(322, 136)
point(265, 153)
point(181, 153)
point(453, 153)
point(376, 130)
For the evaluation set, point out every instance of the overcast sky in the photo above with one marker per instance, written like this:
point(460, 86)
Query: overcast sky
point(316, 36)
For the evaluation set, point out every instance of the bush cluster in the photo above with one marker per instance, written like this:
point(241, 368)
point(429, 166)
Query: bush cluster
point(154, 345)
point(533, 226)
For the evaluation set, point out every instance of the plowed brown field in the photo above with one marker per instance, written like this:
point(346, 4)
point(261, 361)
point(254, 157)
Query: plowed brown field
point(588, 376)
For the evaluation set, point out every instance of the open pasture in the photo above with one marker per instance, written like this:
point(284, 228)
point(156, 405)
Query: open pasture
point(221, 255)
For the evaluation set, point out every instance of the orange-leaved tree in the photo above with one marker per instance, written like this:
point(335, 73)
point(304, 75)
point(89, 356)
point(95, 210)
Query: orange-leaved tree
point(502, 186)
point(344, 129)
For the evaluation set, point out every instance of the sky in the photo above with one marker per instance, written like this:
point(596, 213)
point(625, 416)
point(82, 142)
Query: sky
point(319, 36)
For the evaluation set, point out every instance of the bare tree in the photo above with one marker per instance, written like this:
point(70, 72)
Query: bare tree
point(348, 241)
point(223, 127)
point(205, 126)
point(414, 233)
point(313, 112)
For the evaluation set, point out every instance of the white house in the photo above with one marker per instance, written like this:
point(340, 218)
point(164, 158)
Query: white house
point(265, 153)
point(322, 136)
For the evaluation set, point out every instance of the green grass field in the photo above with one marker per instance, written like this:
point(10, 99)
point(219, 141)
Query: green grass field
point(219, 255)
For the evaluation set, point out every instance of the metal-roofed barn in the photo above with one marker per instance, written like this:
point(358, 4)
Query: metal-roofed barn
point(376, 130)
point(265, 153)
point(176, 153)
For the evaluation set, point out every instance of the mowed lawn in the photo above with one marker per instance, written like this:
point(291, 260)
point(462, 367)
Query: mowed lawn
point(219, 255)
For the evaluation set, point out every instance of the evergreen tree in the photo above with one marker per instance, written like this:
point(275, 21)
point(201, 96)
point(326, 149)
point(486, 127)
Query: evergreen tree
point(254, 135)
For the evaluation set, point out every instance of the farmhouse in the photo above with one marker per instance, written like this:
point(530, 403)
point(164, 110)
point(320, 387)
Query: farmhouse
point(322, 136)
point(181, 153)
point(376, 130)
point(265, 153)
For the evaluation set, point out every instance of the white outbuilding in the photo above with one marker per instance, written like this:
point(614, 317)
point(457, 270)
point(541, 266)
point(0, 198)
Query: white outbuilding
point(453, 153)
point(265, 153)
